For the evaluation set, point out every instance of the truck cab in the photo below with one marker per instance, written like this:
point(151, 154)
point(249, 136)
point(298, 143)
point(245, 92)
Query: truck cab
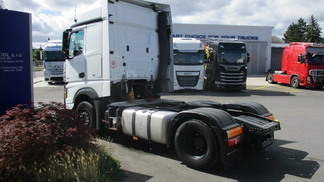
point(188, 64)
point(116, 47)
point(53, 61)
point(226, 65)
point(302, 65)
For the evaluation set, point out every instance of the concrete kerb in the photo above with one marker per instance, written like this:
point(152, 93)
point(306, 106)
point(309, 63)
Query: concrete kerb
point(37, 80)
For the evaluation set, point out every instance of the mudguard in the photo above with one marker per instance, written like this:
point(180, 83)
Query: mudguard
point(86, 91)
point(248, 106)
point(218, 120)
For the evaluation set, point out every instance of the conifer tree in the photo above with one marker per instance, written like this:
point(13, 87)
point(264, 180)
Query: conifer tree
point(313, 31)
point(301, 32)
point(292, 34)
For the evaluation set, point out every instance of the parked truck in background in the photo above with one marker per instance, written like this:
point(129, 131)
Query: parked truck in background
point(119, 57)
point(53, 61)
point(188, 64)
point(302, 65)
point(226, 66)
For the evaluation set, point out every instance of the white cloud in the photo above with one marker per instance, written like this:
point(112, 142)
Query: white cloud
point(51, 17)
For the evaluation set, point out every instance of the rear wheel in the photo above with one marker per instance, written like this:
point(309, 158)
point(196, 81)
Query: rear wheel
point(86, 111)
point(294, 82)
point(196, 144)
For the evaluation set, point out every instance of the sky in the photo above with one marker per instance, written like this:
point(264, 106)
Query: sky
point(51, 17)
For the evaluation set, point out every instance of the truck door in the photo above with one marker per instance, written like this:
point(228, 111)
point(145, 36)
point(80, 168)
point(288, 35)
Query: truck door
point(295, 67)
point(75, 67)
point(93, 50)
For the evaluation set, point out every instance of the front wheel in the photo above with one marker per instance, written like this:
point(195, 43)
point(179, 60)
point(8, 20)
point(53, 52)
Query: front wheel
point(294, 82)
point(270, 78)
point(86, 111)
point(196, 144)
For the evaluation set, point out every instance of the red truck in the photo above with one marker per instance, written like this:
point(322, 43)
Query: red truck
point(302, 65)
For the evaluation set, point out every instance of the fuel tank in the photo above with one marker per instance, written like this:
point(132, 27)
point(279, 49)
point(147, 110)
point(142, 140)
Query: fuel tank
point(146, 123)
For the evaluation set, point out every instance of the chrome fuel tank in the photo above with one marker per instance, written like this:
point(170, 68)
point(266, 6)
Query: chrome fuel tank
point(146, 123)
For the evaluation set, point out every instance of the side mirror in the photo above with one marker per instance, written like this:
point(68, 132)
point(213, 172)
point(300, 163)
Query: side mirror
point(301, 58)
point(65, 43)
point(76, 52)
point(248, 58)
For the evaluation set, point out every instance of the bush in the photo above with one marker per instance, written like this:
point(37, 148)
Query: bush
point(94, 166)
point(28, 136)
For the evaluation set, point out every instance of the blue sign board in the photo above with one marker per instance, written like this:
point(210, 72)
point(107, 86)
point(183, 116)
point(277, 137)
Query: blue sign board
point(16, 81)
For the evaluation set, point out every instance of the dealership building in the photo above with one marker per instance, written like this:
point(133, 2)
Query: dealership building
point(256, 38)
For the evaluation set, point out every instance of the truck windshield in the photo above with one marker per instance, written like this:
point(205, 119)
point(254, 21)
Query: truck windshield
point(53, 56)
point(315, 56)
point(188, 58)
point(315, 59)
point(231, 58)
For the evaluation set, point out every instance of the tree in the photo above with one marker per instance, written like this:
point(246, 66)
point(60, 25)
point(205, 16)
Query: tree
point(295, 32)
point(36, 54)
point(301, 29)
point(291, 34)
point(313, 31)
point(301, 32)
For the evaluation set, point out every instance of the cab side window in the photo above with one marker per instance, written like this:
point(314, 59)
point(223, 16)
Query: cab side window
point(76, 43)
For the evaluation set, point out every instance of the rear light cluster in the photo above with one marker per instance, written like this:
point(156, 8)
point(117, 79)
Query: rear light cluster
point(234, 141)
point(234, 136)
point(270, 117)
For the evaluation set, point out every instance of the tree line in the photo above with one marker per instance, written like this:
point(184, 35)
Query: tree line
point(303, 32)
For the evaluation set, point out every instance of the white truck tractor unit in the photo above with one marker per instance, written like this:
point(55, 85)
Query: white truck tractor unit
point(53, 61)
point(119, 57)
point(188, 64)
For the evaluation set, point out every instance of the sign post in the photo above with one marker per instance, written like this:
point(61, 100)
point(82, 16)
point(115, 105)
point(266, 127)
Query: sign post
point(16, 80)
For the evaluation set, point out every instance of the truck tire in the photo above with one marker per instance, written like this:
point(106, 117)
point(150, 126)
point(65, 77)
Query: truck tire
point(196, 145)
point(270, 78)
point(294, 82)
point(86, 110)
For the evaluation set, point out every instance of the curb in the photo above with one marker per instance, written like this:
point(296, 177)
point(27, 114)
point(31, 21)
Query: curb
point(37, 80)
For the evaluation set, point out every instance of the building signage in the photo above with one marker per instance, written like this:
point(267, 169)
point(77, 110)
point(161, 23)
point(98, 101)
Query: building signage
point(15, 60)
point(201, 36)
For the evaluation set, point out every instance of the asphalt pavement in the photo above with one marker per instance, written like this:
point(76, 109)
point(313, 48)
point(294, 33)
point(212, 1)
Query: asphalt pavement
point(296, 155)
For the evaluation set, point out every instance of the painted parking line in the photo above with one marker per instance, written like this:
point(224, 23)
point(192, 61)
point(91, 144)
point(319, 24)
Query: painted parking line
point(275, 88)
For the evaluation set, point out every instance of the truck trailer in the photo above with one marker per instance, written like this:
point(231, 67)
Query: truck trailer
point(226, 67)
point(188, 64)
point(302, 65)
point(119, 58)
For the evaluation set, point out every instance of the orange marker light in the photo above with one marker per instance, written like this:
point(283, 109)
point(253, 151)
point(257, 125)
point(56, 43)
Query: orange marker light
point(135, 138)
point(271, 117)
